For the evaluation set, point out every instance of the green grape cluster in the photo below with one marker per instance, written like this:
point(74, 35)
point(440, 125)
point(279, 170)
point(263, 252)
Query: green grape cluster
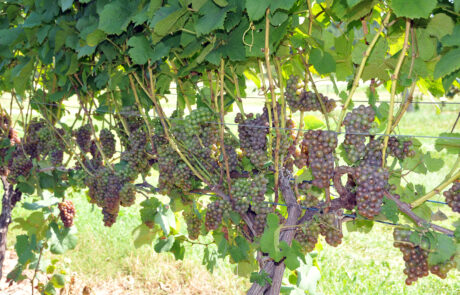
point(453, 197)
point(357, 124)
point(240, 192)
point(135, 154)
point(373, 153)
point(330, 228)
point(215, 212)
point(83, 137)
point(258, 204)
point(109, 189)
point(307, 197)
point(400, 149)
point(252, 133)
point(298, 99)
point(414, 256)
point(193, 222)
point(18, 165)
point(199, 117)
point(128, 120)
point(307, 235)
point(370, 182)
point(108, 142)
point(320, 146)
point(67, 212)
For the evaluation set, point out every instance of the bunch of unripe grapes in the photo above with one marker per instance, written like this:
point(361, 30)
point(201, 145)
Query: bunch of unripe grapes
point(320, 146)
point(331, 229)
point(18, 165)
point(109, 189)
point(216, 211)
point(258, 205)
point(83, 137)
point(198, 117)
point(135, 152)
point(240, 192)
point(453, 197)
point(67, 212)
point(370, 182)
point(298, 98)
point(252, 133)
point(414, 256)
point(193, 222)
point(108, 142)
point(307, 198)
point(357, 125)
point(307, 235)
point(373, 153)
point(400, 149)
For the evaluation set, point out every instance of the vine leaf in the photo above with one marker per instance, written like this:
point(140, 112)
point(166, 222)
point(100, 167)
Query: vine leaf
point(452, 39)
point(260, 278)
point(166, 219)
point(390, 210)
point(65, 4)
point(114, 17)
point(143, 235)
point(239, 252)
point(457, 5)
point(269, 242)
point(308, 276)
point(449, 63)
point(213, 18)
point(164, 244)
point(210, 259)
point(141, 50)
point(442, 251)
point(293, 254)
point(61, 239)
point(25, 248)
point(449, 141)
point(432, 164)
point(413, 8)
point(323, 62)
point(440, 25)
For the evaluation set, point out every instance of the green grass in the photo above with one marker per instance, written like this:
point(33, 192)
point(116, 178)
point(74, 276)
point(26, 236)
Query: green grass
point(105, 258)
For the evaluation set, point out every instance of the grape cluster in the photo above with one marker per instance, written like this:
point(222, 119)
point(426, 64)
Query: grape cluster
point(18, 165)
point(193, 224)
point(67, 212)
point(199, 117)
point(453, 197)
point(258, 205)
point(400, 149)
point(217, 210)
point(330, 228)
point(240, 192)
point(128, 120)
point(357, 124)
point(298, 98)
point(252, 133)
point(134, 154)
point(31, 140)
point(56, 157)
point(320, 146)
point(373, 153)
point(307, 198)
point(107, 140)
point(109, 189)
point(307, 235)
point(414, 256)
point(442, 269)
point(371, 182)
point(83, 137)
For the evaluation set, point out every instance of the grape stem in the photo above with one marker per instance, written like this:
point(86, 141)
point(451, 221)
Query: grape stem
point(435, 191)
point(394, 83)
point(367, 53)
point(273, 96)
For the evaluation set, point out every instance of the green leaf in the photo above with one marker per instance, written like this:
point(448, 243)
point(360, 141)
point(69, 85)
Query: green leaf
point(308, 276)
point(65, 4)
point(96, 37)
point(440, 25)
point(313, 122)
point(432, 164)
point(25, 188)
point(269, 242)
point(221, 3)
point(449, 141)
point(169, 21)
point(166, 219)
point(256, 9)
point(443, 250)
point(61, 239)
point(390, 210)
point(58, 281)
point(449, 63)
point(141, 50)
point(48, 202)
point(452, 39)
point(164, 244)
point(240, 251)
point(143, 235)
point(213, 18)
point(457, 5)
point(413, 8)
point(209, 259)
point(415, 164)
point(178, 250)
point(285, 5)
point(24, 248)
point(293, 254)
point(323, 62)
point(426, 44)
point(260, 278)
point(114, 17)
point(363, 226)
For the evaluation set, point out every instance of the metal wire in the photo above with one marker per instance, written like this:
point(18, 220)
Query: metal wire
point(271, 127)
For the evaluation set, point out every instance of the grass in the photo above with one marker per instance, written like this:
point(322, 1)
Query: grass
point(105, 258)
